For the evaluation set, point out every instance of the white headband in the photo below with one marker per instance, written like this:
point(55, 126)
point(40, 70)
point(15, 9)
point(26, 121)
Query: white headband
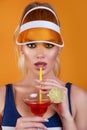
point(40, 24)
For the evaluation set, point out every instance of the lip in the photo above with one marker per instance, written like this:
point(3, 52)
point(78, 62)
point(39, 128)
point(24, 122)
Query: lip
point(40, 64)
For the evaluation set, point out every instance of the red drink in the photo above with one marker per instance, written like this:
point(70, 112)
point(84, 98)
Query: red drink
point(38, 108)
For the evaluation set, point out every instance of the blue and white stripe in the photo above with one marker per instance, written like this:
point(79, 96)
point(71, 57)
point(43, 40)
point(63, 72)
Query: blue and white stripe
point(13, 128)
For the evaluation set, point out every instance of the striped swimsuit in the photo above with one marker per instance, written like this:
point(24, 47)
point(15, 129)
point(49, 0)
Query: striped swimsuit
point(11, 114)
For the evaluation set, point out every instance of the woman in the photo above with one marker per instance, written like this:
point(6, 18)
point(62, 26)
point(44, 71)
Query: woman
point(38, 44)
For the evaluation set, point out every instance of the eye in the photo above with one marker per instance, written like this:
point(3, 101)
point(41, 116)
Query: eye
point(31, 45)
point(49, 45)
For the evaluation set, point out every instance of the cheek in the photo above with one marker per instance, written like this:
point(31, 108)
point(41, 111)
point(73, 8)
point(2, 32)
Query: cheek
point(53, 55)
point(28, 55)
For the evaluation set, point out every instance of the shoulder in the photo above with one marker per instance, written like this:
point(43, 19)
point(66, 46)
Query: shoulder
point(2, 96)
point(2, 99)
point(78, 94)
point(78, 99)
point(79, 104)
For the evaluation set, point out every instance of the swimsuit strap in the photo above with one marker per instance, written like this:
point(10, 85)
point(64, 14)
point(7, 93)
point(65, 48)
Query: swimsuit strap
point(10, 114)
point(68, 86)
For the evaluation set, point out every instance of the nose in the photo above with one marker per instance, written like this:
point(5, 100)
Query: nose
point(40, 56)
point(40, 53)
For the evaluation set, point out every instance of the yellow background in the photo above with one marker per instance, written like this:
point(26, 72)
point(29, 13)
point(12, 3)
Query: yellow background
point(73, 18)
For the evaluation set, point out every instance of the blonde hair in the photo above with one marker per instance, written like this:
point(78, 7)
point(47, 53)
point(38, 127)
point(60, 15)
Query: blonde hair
point(39, 14)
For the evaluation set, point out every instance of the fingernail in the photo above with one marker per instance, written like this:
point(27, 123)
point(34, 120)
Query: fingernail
point(46, 120)
point(37, 80)
point(46, 128)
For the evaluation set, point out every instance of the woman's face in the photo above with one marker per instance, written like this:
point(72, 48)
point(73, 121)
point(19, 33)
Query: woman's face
point(40, 54)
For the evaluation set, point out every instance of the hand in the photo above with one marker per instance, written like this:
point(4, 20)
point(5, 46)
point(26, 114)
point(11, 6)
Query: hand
point(63, 107)
point(30, 123)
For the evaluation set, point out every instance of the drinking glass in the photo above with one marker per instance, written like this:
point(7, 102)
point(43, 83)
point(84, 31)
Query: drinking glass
point(37, 107)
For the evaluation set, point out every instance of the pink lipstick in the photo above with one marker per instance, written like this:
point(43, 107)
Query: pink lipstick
point(40, 64)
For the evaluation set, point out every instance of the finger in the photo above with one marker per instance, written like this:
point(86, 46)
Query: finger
point(48, 80)
point(46, 86)
point(28, 125)
point(33, 119)
point(32, 129)
point(47, 83)
point(45, 92)
point(33, 122)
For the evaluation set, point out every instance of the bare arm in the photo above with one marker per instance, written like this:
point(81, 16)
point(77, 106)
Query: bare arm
point(2, 100)
point(81, 115)
point(0, 122)
point(69, 123)
point(79, 121)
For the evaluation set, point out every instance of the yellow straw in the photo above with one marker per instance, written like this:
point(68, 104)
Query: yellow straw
point(40, 91)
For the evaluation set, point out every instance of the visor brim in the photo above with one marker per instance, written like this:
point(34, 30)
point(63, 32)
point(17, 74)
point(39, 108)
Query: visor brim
point(40, 31)
point(40, 41)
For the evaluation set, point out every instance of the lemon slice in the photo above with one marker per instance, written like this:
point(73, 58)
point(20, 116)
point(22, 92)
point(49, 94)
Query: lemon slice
point(56, 95)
